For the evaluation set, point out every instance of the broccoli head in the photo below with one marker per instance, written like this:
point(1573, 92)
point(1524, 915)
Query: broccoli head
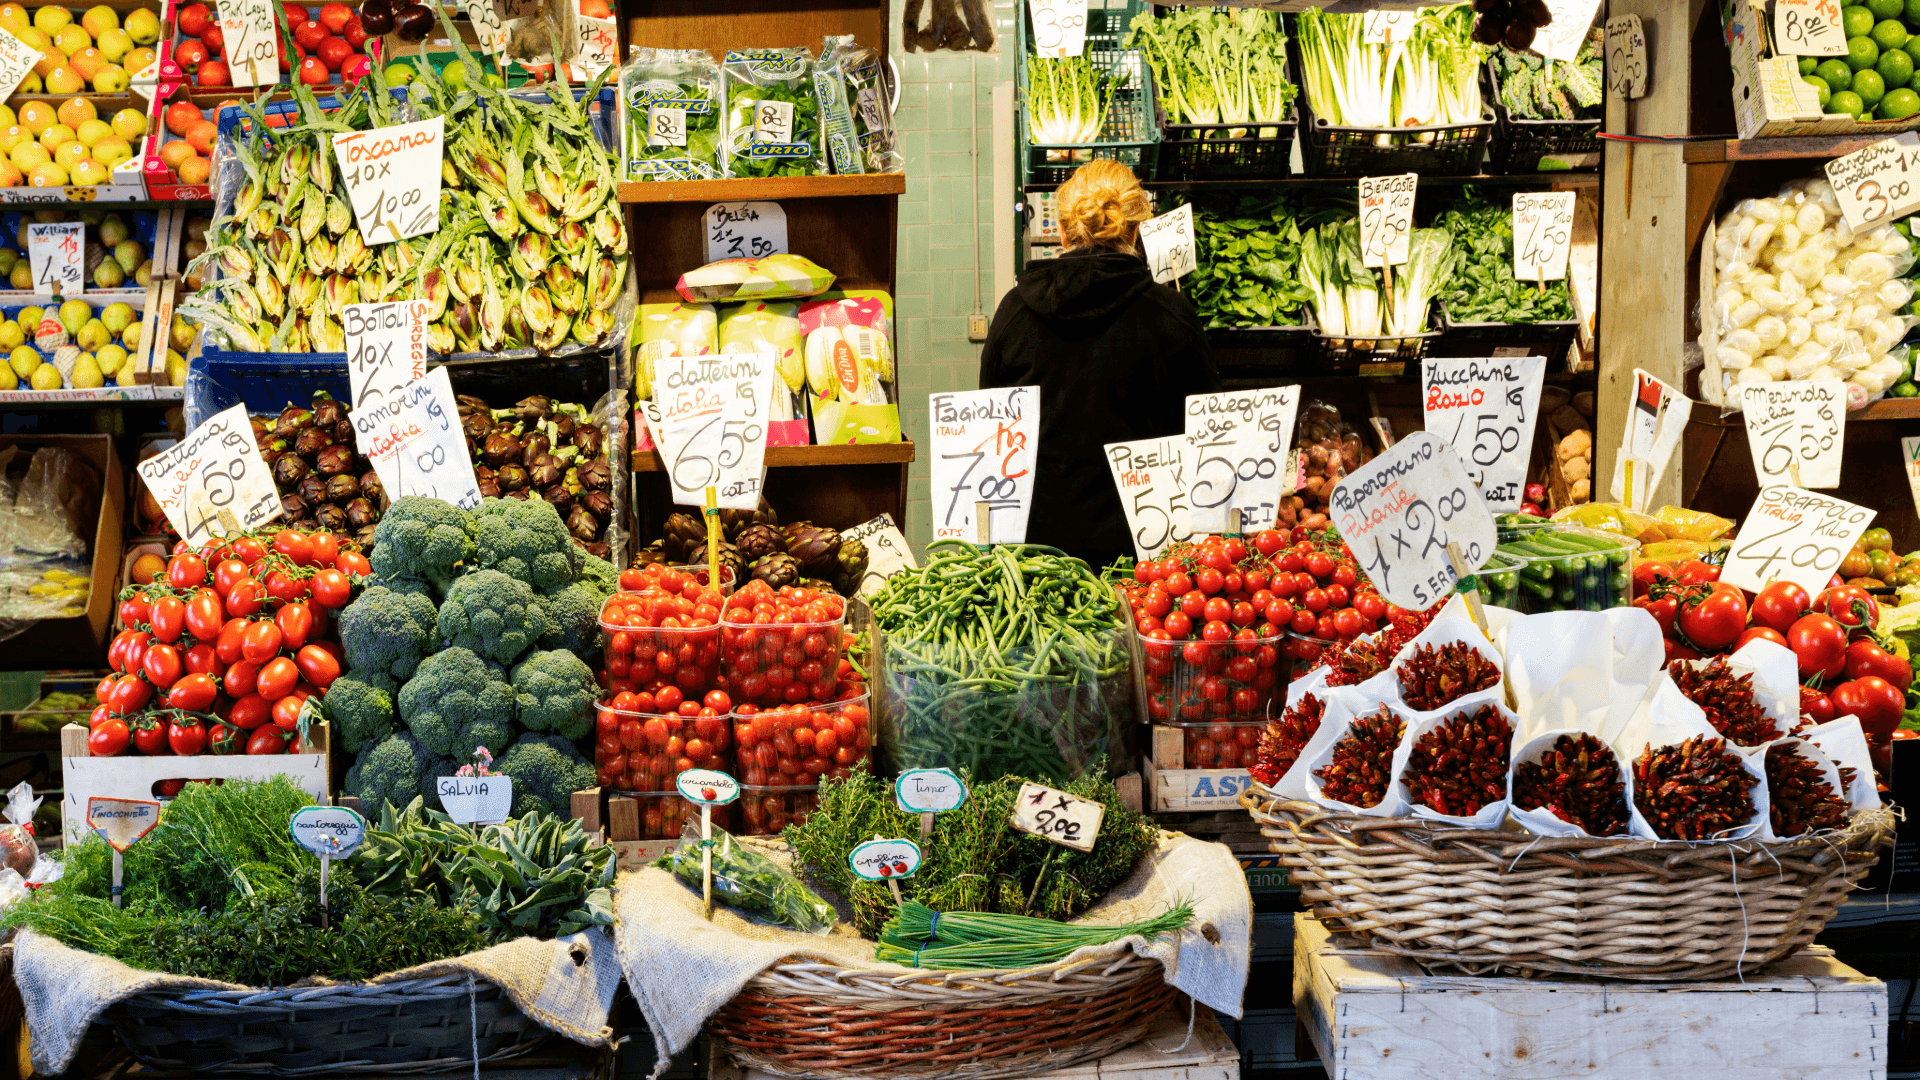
point(359, 704)
point(388, 632)
point(457, 701)
point(546, 770)
point(424, 538)
point(394, 770)
point(496, 616)
point(526, 539)
point(599, 575)
point(554, 691)
point(573, 619)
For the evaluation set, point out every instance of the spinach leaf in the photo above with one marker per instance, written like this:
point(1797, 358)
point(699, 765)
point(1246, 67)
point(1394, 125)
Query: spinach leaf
point(1483, 288)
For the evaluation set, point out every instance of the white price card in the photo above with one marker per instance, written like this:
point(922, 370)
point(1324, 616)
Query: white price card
point(1655, 423)
point(487, 26)
point(415, 443)
point(1059, 27)
point(475, 799)
point(333, 831)
point(1151, 476)
point(1879, 182)
point(56, 255)
point(386, 348)
point(252, 42)
point(1561, 39)
point(1167, 242)
point(1542, 234)
point(692, 399)
point(709, 786)
point(1627, 56)
point(984, 446)
point(598, 44)
point(749, 382)
point(393, 178)
point(667, 126)
point(772, 121)
point(1237, 445)
point(883, 859)
point(929, 791)
point(1793, 534)
point(1487, 409)
point(1067, 820)
point(1400, 511)
point(744, 230)
point(216, 468)
point(1386, 27)
point(1796, 424)
point(1386, 218)
point(1910, 458)
point(122, 822)
point(887, 551)
point(1808, 28)
point(17, 58)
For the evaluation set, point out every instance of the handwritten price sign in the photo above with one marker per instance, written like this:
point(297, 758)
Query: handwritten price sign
point(1808, 28)
point(55, 258)
point(1386, 27)
point(486, 24)
point(1237, 443)
point(1067, 820)
point(1910, 457)
point(393, 178)
point(386, 348)
point(1561, 39)
point(692, 399)
point(1167, 242)
point(1386, 218)
point(984, 443)
point(1793, 534)
point(1487, 409)
point(887, 551)
point(1542, 234)
point(1878, 182)
point(744, 230)
point(414, 440)
point(1399, 512)
point(1059, 27)
point(17, 58)
point(743, 437)
point(1798, 423)
point(1150, 475)
point(252, 41)
point(1627, 56)
point(216, 468)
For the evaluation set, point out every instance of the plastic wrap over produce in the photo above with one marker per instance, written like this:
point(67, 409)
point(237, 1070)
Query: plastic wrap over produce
point(1798, 294)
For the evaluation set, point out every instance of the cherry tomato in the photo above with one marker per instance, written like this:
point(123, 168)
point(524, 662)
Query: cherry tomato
point(109, 738)
point(1177, 584)
point(331, 588)
point(194, 693)
point(286, 711)
point(1268, 541)
point(353, 564)
point(249, 550)
point(135, 610)
point(285, 587)
point(162, 666)
point(1816, 705)
point(1210, 581)
point(267, 740)
point(204, 617)
point(226, 739)
point(1218, 609)
point(1820, 645)
point(320, 667)
point(229, 573)
point(325, 548)
point(240, 678)
point(186, 571)
point(277, 677)
point(1346, 622)
point(169, 618)
point(1315, 601)
point(130, 695)
point(1370, 605)
point(1179, 625)
point(261, 642)
point(1761, 633)
point(228, 645)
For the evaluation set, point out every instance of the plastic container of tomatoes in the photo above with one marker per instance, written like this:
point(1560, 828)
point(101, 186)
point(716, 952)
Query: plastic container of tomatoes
point(1233, 679)
point(1301, 651)
point(658, 638)
point(700, 572)
point(663, 813)
point(643, 740)
point(782, 648)
point(1219, 744)
point(765, 811)
point(796, 745)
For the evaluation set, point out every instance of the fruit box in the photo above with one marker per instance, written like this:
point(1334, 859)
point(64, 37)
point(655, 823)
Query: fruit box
point(143, 227)
point(164, 182)
point(133, 776)
point(113, 390)
point(1193, 789)
point(141, 21)
point(190, 21)
point(1769, 97)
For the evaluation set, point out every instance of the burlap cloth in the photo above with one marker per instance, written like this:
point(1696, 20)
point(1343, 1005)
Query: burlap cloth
point(682, 968)
point(566, 985)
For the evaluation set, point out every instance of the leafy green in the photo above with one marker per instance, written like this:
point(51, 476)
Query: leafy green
point(1533, 88)
point(1216, 66)
point(751, 76)
point(1430, 79)
point(1247, 271)
point(684, 79)
point(1067, 99)
point(1483, 288)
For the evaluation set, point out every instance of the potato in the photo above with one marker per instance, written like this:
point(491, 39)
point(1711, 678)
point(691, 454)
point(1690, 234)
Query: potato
point(1580, 490)
point(1567, 419)
point(1577, 468)
point(1583, 403)
point(1577, 444)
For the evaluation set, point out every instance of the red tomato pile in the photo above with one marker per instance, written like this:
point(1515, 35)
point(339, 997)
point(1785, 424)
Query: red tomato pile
point(1219, 744)
point(783, 647)
point(664, 814)
point(219, 653)
point(768, 812)
point(796, 745)
point(643, 739)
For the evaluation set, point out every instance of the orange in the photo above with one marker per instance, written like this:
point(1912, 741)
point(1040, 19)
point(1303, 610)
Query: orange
point(147, 567)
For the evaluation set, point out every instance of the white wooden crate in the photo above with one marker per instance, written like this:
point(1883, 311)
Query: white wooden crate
point(1165, 1054)
point(1374, 1016)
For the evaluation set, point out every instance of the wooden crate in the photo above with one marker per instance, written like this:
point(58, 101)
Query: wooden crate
point(1381, 1017)
point(1207, 1055)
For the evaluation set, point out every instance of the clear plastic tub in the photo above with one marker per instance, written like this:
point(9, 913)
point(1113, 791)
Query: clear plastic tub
point(796, 745)
point(662, 813)
point(651, 651)
point(1220, 744)
point(772, 664)
point(764, 811)
point(643, 750)
point(1201, 680)
point(1499, 580)
point(699, 574)
point(1568, 567)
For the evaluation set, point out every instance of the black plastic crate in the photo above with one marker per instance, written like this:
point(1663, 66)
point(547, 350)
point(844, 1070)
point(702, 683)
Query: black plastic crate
point(1542, 146)
point(1129, 133)
point(1378, 349)
point(1550, 339)
point(1228, 151)
point(1447, 150)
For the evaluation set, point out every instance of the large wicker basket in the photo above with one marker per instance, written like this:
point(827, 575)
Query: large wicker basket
point(417, 1025)
point(811, 1019)
point(1484, 902)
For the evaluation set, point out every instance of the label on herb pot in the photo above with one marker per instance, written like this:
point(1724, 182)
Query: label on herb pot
point(1910, 458)
point(1807, 28)
point(887, 551)
point(470, 799)
point(772, 121)
point(1399, 512)
point(251, 40)
point(1627, 56)
point(1793, 534)
point(745, 230)
point(1797, 423)
point(884, 859)
point(929, 791)
point(1386, 218)
point(1542, 234)
point(1561, 39)
point(1386, 27)
point(1167, 243)
point(1879, 182)
point(1059, 27)
point(55, 256)
point(216, 467)
point(386, 348)
point(1238, 444)
point(122, 822)
point(1067, 820)
point(983, 445)
point(333, 831)
point(1487, 409)
point(393, 178)
point(1151, 476)
point(709, 787)
point(668, 127)
point(415, 442)
point(17, 58)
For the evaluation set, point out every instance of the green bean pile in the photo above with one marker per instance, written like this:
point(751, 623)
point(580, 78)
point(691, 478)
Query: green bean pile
point(1007, 661)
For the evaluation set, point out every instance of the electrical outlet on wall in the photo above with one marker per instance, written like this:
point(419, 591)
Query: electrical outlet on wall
point(976, 327)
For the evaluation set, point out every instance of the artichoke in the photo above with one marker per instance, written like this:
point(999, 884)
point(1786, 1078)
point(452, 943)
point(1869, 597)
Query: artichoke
point(853, 559)
point(737, 520)
point(777, 570)
point(759, 541)
point(684, 533)
point(815, 547)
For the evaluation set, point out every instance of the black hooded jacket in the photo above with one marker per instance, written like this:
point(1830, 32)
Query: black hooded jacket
point(1114, 356)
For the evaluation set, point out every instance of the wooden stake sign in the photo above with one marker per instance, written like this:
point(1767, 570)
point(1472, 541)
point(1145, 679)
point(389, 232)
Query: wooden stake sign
point(121, 823)
point(884, 859)
point(928, 792)
point(331, 832)
point(707, 788)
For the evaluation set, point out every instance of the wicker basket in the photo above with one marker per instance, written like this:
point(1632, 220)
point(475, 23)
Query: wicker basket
point(417, 1025)
point(810, 1019)
point(1484, 902)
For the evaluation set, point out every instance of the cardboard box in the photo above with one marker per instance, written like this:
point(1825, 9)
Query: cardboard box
point(1769, 97)
point(1194, 789)
point(133, 777)
point(79, 640)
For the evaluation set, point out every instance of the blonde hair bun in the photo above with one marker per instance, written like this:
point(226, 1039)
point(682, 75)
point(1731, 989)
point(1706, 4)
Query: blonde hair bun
point(1101, 205)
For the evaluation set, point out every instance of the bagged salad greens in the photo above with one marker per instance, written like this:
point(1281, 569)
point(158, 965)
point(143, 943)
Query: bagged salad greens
point(748, 882)
point(866, 94)
point(672, 103)
point(772, 124)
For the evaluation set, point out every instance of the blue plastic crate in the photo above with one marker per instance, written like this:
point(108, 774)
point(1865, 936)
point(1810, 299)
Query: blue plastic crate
point(266, 382)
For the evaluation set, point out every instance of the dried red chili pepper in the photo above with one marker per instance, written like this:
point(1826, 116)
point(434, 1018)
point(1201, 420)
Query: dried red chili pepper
point(1355, 662)
point(1285, 737)
point(1362, 763)
point(1727, 699)
point(1460, 764)
point(1399, 634)
point(1693, 790)
point(1578, 781)
point(1432, 678)
point(1799, 798)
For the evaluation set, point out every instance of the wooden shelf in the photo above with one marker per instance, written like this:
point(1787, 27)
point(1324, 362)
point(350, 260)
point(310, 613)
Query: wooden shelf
point(1779, 149)
point(770, 187)
point(790, 456)
point(1889, 408)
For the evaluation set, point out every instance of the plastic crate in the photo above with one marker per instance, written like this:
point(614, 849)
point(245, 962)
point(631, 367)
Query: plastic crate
point(1228, 151)
point(1377, 349)
point(1130, 133)
point(1538, 146)
point(1452, 150)
point(1550, 339)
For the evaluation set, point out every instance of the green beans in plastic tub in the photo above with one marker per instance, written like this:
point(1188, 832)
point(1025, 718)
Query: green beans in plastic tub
point(1566, 567)
point(1012, 660)
point(748, 882)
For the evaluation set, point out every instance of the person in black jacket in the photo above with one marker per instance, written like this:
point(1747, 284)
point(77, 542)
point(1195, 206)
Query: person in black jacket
point(1114, 355)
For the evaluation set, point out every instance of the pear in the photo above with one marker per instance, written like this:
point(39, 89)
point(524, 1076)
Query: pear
point(176, 369)
point(110, 357)
point(126, 376)
point(130, 337)
point(117, 317)
point(8, 257)
point(74, 315)
point(143, 275)
point(29, 318)
point(91, 335)
point(45, 377)
point(129, 254)
point(113, 230)
point(108, 275)
point(86, 373)
point(11, 336)
point(21, 276)
point(182, 332)
point(8, 380)
point(24, 360)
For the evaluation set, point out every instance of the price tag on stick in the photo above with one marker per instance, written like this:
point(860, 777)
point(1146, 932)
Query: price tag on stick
point(707, 788)
point(415, 443)
point(1487, 409)
point(1167, 242)
point(1400, 511)
point(216, 468)
point(475, 800)
point(984, 444)
point(56, 257)
point(713, 425)
point(1793, 534)
point(1386, 27)
point(251, 39)
point(1796, 429)
point(1238, 443)
point(386, 349)
point(743, 436)
point(1151, 476)
point(1910, 457)
point(1542, 234)
point(121, 823)
point(487, 27)
point(1059, 27)
point(1806, 28)
point(1655, 422)
point(331, 832)
point(1879, 182)
point(1627, 56)
point(928, 792)
point(393, 178)
point(1386, 218)
point(1067, 820)
point(744, 230)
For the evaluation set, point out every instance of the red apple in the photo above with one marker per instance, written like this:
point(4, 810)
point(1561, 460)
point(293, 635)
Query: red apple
point(355, 69)
point(355, 33)
point(194, 19)
point(190, 54)
point(213, 73)
point(334, 16)
point(215, 40)
point(294, 13)
point(308, 35)
point(333, 52)
point(313, 72)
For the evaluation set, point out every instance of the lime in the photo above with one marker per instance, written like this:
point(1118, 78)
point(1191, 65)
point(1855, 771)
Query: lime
point(1896, 67)
point(1889, 34)
point(1819, 84)
point(1807, 64)
point(1836, 73)
point(454, 74)
point(1869, 86)
point(1856, 21)
point(1862, 53)
point(1904, 389)
point(1886, 9)
point(1899, 104)
point(1846, 101)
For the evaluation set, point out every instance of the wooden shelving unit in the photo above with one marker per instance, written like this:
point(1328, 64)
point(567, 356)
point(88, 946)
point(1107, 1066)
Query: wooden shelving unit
point(779, 188)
